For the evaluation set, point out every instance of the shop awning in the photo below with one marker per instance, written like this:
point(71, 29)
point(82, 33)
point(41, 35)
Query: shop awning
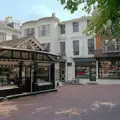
point(84, 60)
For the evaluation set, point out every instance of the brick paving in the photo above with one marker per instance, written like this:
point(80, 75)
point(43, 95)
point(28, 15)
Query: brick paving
point(71, 102)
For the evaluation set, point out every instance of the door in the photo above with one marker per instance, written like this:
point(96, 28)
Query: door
point(28, 78)
point(92, 73)
point(62, 71)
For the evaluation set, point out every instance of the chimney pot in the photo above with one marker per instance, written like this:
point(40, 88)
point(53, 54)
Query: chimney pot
point(53, 14)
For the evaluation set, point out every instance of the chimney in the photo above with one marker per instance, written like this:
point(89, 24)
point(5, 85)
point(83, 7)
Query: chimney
point(53, 15)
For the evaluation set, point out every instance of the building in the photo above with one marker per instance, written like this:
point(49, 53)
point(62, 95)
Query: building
point(45, 30)
point(25, 67)
point(107, 56)
point(66, 39)
point(8, 32)
point(76, 48)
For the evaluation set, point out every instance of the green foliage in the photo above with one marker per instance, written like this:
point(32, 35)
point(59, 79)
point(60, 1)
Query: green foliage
point(107, 15)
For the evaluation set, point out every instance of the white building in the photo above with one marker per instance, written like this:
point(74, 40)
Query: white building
point(8, 33)
point(65, 38)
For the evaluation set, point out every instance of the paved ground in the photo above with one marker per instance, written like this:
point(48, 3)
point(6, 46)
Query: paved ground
point(71, 102)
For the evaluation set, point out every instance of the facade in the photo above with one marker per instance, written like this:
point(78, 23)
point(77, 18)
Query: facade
point(65, 39)
point(8, 33)
point(76, 48)
point(107, 60)
point(25, 67)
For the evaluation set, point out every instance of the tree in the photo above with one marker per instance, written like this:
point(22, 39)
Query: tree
point(106, 18)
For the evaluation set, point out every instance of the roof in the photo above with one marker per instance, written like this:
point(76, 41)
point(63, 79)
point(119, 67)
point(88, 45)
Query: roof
point(44, 18)
point(14, 43)
point(76, 20)
point(5, 26)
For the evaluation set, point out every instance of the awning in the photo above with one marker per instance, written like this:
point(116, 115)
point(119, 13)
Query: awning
point(84, 60)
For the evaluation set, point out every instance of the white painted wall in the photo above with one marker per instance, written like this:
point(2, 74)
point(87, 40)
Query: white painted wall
point(68, 38)
point(9, 33)
point(52, 39)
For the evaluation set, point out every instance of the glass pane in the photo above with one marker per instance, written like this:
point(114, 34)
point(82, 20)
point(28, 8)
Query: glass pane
point(90, 46)
point(109, 69)
point(39, 56)
point(16, 54)
point(25, 55)
point(9, 76)
point(62, 48)
point(6, 53)
point(76, 47)
point(43, 75)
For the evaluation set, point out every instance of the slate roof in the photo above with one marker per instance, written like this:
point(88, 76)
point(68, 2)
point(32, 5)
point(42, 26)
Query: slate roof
point(14, 43)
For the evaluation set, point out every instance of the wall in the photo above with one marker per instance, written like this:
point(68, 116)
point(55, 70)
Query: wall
point(9, 33)
point(68, 38)
point(52, 39)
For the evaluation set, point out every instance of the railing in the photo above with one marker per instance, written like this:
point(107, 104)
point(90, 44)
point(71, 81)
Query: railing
point(98, 53)
point(106, 53)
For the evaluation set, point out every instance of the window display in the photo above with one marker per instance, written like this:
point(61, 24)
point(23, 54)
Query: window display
point(109, 69)
point(43, 75)
point(9, 76)
point(82, 72)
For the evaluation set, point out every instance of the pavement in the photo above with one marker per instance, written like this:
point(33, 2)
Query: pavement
point(71, 102)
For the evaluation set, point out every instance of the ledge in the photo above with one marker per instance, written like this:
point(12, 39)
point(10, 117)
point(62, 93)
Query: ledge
point(28, 94)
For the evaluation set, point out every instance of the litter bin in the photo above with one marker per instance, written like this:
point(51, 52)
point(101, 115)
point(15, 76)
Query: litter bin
point(77, 80)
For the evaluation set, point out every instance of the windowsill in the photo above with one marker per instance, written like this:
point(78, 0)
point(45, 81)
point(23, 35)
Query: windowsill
point(8, 87)
point(45, 83)
point(76, 32)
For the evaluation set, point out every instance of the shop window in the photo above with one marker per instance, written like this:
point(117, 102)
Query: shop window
point(81, 72)
point(43, 75)
point(9, 76)
point(109, 69)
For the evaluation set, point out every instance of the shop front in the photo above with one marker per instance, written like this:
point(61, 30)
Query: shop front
point(25, 71)
point(108, 67)
point(83, 66)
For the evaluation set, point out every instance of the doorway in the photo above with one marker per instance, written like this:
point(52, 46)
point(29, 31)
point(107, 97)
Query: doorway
point(92, 73)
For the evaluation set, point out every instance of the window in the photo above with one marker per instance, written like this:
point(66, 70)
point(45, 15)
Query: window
point(44, 30)
point(75, 27)
point(88, 22)
point(62, 29)
point(29, 32)
point(14, 37)
point(109, 69)
point(2, 36)
point(62, 48)
point(111, 45)
point(43, 74)
point(76, 47)
point(9, 75)
point(81, 72)
point(90, 46)
point(46, 46)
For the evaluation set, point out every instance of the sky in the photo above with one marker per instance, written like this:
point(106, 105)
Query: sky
point(24, 10)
